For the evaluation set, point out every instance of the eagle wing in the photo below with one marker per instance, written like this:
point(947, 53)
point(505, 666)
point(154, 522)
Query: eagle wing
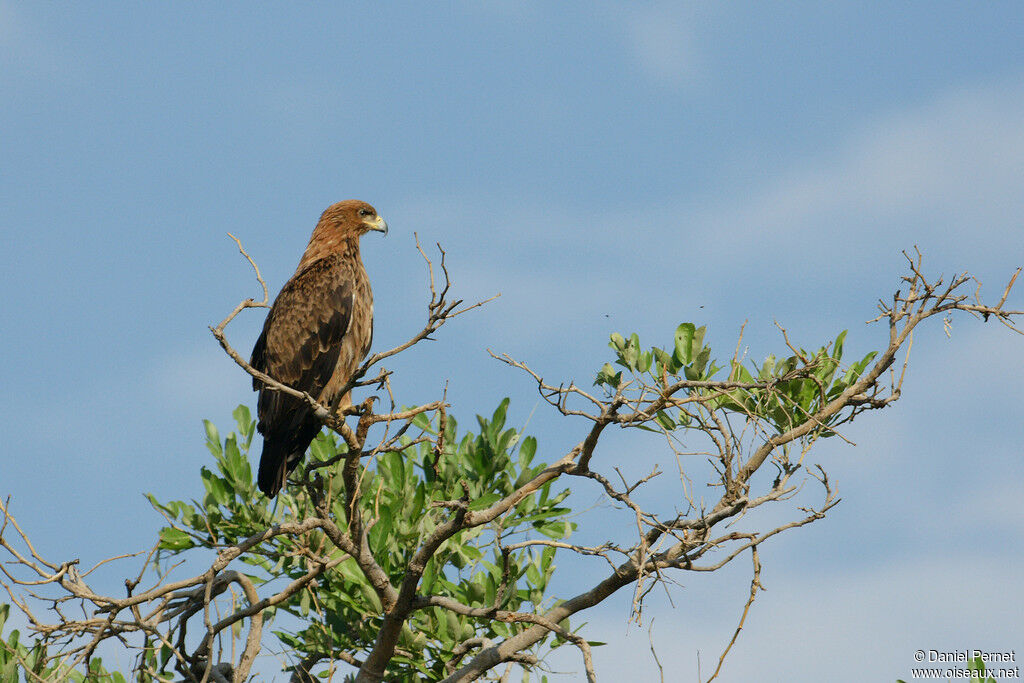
point(300, 346)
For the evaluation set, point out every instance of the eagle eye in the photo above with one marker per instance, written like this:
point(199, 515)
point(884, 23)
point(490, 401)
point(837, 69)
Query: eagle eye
point(365, 212)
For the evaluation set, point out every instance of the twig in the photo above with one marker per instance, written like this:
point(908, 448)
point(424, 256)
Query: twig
point(755, 585)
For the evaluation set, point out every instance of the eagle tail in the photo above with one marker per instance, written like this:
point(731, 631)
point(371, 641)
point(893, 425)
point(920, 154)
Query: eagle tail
point(282, 455)
point(274, 466)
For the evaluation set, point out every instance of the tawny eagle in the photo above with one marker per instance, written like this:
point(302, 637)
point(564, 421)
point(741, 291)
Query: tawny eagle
point(317, 332)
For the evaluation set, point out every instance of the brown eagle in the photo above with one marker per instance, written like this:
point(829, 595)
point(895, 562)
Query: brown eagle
point(316, 334)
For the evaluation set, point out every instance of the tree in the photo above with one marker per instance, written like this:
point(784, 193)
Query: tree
point(407, 547)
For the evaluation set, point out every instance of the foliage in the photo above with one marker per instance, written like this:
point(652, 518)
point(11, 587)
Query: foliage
point(342, 612)
point(16, 658)
point(785, 392)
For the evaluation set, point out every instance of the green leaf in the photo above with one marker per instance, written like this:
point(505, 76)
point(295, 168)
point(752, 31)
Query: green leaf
point(701, 359)
point(175, 539)
point(631, 354)
point(684, 343)
point(698, 338)
point(556, 530)
point(212, 438)
point(216, 487)
point(533, 576)
point(484, 501)
point(837, 347)
point(527, 449)
point(498, 419)
point(664, 420)
point(383, 528)
point(665, 360)
point(235, 467)
point(740, 374)
point(608, 376)
point(643, 362)
point(242, 416)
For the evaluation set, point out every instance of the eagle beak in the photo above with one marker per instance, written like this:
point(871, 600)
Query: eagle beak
point(379, 225)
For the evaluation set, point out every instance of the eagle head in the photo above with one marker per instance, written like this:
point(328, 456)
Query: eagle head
point(353, 216)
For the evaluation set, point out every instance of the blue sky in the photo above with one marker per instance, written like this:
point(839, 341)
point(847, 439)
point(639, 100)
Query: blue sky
point(606, 167)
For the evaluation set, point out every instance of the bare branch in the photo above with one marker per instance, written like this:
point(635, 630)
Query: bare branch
point(755, 585)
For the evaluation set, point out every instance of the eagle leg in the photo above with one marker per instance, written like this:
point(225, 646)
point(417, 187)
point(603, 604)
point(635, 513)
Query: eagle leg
point(340, 403)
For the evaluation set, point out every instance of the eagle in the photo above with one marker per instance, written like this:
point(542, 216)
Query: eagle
point(317, 332)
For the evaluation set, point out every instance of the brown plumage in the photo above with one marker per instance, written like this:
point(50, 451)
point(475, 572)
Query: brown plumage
point(316, 334)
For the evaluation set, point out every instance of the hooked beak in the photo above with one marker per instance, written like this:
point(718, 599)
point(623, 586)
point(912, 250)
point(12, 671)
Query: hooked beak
point(378, 224)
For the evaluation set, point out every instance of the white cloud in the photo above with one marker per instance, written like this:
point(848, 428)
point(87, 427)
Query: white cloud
point(201, 379)
point(663, 42)
point(956, 160)
point(943, 174)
